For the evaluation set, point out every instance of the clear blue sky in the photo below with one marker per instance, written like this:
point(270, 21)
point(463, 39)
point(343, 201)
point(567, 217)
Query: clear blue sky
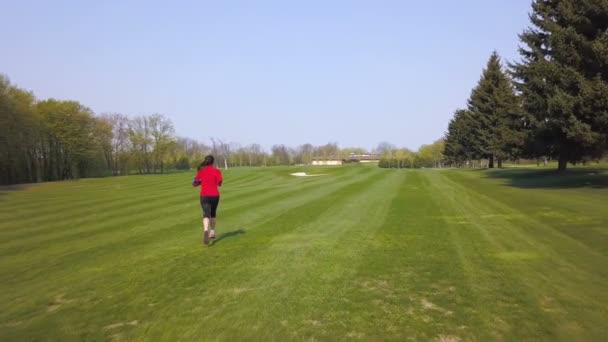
point(352, 72)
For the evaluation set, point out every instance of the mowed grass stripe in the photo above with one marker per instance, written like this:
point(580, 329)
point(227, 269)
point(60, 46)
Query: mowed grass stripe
point(360, 253)
point(98, 209)
point(57, 211)
point(76, 259)
point(145, 211)
point(36, 196)
point(65, 216)
point(573, 213)
point(31, 225)
point(280, 259)
point(514, 260)
point(214, 262)
point(526, 233)
point(499, 297)
point(409, 285)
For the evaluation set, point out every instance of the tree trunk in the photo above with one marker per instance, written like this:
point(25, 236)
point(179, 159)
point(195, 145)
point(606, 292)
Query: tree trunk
point(500, 163)
point(491, 162)
point(562, 163)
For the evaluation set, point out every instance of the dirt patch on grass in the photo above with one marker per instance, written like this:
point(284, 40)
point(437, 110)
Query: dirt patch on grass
point(239, 290)
point(312, 322)
point(548, 304)
point(12, 324)
point(380, 286)
point(501, 327)
point(447, 338)
point(57, 302)
point(120, 325)
point(116, 337)
point(427, 305)
point(354, 334)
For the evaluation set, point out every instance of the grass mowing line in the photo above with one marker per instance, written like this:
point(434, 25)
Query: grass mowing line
point(41, 224)
point(109, 247)
point(267, 212)
point(552, 294)
point(531, 232)
point(88, 224)
point(70, 306)
point(266, 191)
point(62, 189)
point(84, 216)
point(327, 253)
point(253, 178)
point(557, 291)
point(410, 286)
point(96, 203)
point(108, 228)
point(507, 305)
point(307, 269)
point(571, 215)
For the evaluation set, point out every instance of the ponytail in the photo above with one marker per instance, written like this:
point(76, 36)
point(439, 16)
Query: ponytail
point(208, 161)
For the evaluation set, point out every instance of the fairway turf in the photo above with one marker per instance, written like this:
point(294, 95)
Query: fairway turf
point(361, 253)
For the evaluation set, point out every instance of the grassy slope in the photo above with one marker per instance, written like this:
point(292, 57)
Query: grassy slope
point(358, 253)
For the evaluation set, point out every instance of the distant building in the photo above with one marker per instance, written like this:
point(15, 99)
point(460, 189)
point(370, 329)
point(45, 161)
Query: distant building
point(352, 158)
point(326, 161)
point(365, 158)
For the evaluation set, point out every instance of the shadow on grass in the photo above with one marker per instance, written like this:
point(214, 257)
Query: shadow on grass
point(227, 235)
point(6, 189)
point(552, 179)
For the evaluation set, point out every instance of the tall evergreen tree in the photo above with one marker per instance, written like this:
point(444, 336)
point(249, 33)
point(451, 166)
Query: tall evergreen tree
point(563, 78)
point(461, 140)
point(494, 105)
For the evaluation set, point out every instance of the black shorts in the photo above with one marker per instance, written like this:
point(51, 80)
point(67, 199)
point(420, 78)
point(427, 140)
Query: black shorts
point(209, 205)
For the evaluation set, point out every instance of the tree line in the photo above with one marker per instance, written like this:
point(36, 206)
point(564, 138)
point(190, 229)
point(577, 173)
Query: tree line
point(49, 140)
point(430, 155)
point(553, 103)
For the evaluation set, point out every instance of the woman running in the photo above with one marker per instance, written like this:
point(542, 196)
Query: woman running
point(209, 178)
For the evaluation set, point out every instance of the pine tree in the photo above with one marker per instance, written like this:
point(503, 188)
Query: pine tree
point(494, 105)
point(461, 140)
point(563, 78)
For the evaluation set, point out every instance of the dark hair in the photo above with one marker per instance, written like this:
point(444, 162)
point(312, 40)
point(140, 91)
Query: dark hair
point(208, 161)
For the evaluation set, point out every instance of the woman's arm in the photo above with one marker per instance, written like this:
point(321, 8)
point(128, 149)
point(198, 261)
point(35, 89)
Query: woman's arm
point(196, 181)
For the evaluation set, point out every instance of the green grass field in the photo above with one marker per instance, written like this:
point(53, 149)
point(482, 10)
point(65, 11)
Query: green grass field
point(360, 253)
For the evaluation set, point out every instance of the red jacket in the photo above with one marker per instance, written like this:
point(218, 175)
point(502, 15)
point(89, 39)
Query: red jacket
point(209, 178)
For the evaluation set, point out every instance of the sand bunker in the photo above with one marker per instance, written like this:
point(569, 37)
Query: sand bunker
point(304, 174)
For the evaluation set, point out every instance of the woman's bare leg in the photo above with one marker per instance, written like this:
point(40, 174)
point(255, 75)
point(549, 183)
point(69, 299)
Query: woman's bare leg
point(212, 222)
point(206, 230)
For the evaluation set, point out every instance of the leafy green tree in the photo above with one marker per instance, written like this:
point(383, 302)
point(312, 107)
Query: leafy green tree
point(280, 155)
point(431, 155)
point(68, 138)
point(141, 143)
point(120, 144)
point(162, 136)
point(18, 135)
